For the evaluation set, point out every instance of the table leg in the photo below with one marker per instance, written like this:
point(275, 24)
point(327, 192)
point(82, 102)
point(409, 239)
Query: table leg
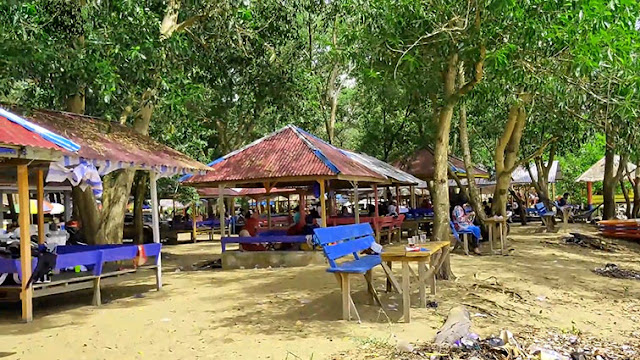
point(368, 278)
point(406, 293)
point(422, 278)
point(502, 229)
point(388, 271)
point(346, 296)
point(491, 237)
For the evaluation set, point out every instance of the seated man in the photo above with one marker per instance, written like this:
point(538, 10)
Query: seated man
point(564, 200)
point(463, 221)
point(251, 229)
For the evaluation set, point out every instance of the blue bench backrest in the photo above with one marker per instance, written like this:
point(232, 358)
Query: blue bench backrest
point(340, 241)
point(454, 231)
point(540, 208)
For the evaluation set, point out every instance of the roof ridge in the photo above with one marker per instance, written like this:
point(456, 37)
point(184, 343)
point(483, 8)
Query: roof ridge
point(235, 152)
point(317, 152)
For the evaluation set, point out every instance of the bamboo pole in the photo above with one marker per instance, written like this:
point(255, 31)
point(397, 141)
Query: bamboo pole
point(357, 203)
point(323, 204)
point(221, 209)
point(40, 200)
point(26, 294)
point(155, 219)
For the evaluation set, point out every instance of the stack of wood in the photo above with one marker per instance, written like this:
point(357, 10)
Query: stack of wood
point(589, 241)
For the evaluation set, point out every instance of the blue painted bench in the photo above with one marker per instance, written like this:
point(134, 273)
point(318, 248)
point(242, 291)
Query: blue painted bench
point(93, 258)
point(261, 239)
point(545, 215)
point(465, 236)
point(342, 246)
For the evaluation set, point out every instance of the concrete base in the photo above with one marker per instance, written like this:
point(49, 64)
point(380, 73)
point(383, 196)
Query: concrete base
point(264, 259)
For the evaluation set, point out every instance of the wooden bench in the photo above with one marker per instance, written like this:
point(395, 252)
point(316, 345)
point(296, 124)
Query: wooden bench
point(347, 220)
point(289, 239)
point(343, 243)
point(388, 226)
point(94, 259)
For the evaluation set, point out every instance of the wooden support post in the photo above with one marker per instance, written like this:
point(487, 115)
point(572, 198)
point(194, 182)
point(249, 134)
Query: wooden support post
point(40, 200)
point(1, 210)
point(194, 231)
point(221, 209)
point(323, 205)
point(375, 216)
point(413, 197)
point(357, 203)
point(269, 211)
point(302, 200)
point(97, 296)
point(26, 294)
point(232, 213)
point(155, 220)
point(589, 195)
point(398, 198)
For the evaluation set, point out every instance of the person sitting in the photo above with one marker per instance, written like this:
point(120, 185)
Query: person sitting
point(345, 211)
point(392, 210)
point(296, 214)
point(564, 200)
point(250, 229)
point(487, 208)
point(463, 221)
point(426, 204)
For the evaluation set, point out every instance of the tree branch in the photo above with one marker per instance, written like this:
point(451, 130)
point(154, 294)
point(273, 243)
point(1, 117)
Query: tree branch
point(533, 155)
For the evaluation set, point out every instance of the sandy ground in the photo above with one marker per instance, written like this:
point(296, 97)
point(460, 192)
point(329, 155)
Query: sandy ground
point(293, 313)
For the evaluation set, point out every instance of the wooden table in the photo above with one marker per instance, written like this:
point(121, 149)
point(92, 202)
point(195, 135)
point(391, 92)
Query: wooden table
point(501, 224)
point(429, 262)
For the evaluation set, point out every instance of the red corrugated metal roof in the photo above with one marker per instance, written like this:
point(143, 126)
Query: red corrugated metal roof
point(213, 192)
point(287, 153)
point(103, 140)
point(422, 165)
point(342, 161)
point(14, 134)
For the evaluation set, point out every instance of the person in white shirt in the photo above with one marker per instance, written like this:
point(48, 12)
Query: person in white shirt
point(392, 210)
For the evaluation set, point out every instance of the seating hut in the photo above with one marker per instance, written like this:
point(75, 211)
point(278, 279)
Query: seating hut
point(289, 157)
point(83, 143)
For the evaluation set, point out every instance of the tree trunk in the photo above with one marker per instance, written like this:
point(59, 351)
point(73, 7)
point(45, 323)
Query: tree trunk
point(506, 154)
point(627, 200)
point(474, 195)
point(87, 213)
point(117, 187)
point(522, 206)
point(636, 192)
point(609, 183)
point(76, 103)
point(440, 180)
point(140, 192)
point(499, 205)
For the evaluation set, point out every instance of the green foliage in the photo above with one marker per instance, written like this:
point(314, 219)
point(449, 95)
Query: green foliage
point(246, 68)
point(576, 161)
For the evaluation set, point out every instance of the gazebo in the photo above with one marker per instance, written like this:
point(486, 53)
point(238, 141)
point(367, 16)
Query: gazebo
point(83, 141)
point(289, 157)
point(596, 174)
point(24, 147)
point(421, 164)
